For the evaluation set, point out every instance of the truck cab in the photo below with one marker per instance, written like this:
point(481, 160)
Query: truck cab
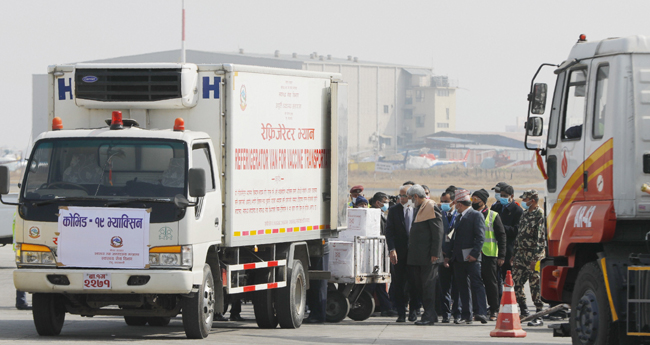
point(597, 160)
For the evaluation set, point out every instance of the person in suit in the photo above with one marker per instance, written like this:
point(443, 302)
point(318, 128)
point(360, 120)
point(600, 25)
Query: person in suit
point(425, 251)
point(468, 236)
point(449, 301)
point(398, 226)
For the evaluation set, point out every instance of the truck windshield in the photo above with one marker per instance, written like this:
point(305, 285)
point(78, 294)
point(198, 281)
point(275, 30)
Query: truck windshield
point(106, 168)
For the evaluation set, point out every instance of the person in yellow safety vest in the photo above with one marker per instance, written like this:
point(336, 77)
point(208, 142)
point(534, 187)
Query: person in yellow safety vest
point(21, 296)
point(494, 252)
point(355, 191)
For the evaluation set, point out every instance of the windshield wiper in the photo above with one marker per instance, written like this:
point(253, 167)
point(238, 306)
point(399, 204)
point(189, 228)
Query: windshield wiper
point(127, 201)
point(57, 199)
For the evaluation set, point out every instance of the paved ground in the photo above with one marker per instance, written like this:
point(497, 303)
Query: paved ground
point(16, 327)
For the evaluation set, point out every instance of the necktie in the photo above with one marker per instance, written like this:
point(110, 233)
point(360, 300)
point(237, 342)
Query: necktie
point(407, 220)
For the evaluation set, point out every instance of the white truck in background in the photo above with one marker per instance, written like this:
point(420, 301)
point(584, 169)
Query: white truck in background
point(240, 184)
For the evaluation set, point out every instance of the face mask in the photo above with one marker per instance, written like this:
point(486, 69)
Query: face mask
point(504, 201)
point(476, 205)
point(385, 207)
point(524, 205)
point(445, 207)
point(354, 200)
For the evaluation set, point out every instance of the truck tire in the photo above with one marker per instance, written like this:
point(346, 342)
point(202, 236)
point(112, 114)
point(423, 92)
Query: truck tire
point(263, 303)
point(48, 312)
point(158, 321)
point(198, 310)
point(591, 318)
point(363, 307)
point(338, 306)
point(290, 300)
point(135, 320)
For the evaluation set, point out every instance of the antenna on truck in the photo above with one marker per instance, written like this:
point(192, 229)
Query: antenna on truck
point(183, 35)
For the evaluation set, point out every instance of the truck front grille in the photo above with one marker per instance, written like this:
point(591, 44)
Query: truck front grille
point(128, 85)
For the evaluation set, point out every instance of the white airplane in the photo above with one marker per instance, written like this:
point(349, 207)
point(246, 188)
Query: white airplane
point(429, 160)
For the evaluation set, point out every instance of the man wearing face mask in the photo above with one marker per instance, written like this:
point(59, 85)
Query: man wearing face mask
point(380, 201)
point(449, 301)
point(468, 236)
point(510, 214)
point(530, 247)
point(354, 193)
point(425, 251)
point(398, 228)
point(494, 252)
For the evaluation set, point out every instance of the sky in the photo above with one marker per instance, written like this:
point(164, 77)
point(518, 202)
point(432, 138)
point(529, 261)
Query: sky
point(492, 48)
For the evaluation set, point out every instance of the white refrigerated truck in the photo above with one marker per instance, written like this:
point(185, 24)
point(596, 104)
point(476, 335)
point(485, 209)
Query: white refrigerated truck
point(163, 188)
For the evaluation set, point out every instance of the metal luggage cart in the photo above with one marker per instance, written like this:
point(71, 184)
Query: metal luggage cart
point(348, 297)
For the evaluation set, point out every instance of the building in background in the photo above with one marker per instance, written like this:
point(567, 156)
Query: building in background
point(390, 106)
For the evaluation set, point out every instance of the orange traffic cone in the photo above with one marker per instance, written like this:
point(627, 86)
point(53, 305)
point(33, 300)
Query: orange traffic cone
point(508, 323)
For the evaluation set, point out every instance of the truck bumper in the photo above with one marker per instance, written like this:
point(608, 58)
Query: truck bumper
point(160, 281)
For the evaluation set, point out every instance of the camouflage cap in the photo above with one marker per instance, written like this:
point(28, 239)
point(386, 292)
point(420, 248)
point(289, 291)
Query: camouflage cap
point(528, 193)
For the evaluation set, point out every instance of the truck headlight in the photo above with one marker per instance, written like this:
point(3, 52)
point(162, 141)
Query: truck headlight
point(170, 256)
point(34, 255)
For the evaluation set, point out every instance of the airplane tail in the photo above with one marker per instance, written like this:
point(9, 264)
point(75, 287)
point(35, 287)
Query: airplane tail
point(466, 155)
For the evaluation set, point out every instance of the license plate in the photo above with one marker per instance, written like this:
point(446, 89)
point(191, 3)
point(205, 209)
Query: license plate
point(95, 281)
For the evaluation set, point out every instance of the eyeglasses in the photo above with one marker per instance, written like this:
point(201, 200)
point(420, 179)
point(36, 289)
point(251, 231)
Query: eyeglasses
point(402, 195)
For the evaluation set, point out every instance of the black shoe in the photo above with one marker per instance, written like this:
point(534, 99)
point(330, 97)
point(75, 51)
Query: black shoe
point(401, 318)
point(536, 322)
point(459, 321)
point(236, 317)
point(445, 319)
point(493, 316)
point(523, 313)
point(468, 322)
point(424, 323)
point(388, 313)
point(24, 307)
point(417, 312)
point(312, 320)
point(219, 317)
point(412, 316)
point(481, 318)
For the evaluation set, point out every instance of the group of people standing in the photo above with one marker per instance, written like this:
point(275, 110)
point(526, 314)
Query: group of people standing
point(451, 257)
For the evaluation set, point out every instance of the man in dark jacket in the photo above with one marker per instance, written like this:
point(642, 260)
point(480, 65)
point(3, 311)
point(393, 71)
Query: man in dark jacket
point(398, 226)
point(493, 252)
point(466, 245)
point(510, 214)
point(449, 301)
point(425, 251)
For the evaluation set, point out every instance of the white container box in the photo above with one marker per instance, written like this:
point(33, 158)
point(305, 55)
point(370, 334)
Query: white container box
point(341, 259)
point(362, 222)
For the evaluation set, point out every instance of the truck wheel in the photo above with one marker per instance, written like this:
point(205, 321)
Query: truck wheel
point(363, 307)
point(48, 312)
point(591, 318)
point(158, 321)
point(338, 306)
point(198, 310)
point(135, 320)
point(290, 300)
point(263, 303)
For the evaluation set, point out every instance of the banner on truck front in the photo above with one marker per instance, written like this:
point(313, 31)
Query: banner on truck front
point(103, 237)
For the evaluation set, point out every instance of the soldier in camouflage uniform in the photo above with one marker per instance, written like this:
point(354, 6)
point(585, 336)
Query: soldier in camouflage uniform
point(530, 247)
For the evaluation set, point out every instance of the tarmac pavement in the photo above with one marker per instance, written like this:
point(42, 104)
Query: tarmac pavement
point(17, 327)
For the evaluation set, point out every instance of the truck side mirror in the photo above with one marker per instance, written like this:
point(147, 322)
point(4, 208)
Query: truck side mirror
point(4, 180)
point(197, 182)
point(537, 99)
point(535, 126)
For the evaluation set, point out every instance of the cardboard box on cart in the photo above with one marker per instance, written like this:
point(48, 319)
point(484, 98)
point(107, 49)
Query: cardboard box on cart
point(362, 222)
